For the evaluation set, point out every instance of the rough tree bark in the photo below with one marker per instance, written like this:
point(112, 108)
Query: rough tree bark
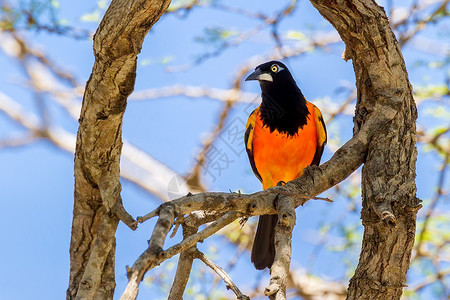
point(388, 176)
point(384, 139)
point(97, 202)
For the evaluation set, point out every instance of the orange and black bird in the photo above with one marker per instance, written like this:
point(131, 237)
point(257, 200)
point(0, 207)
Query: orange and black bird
point(283, 136)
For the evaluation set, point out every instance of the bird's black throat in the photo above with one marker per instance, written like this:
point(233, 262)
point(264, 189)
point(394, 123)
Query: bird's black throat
point(283, 107)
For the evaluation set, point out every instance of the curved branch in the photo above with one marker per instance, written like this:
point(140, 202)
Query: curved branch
point(184, 266)
point(117, 42)
point(388, 177)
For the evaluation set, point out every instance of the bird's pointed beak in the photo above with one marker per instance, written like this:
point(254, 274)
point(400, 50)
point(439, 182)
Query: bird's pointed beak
point(260, 76)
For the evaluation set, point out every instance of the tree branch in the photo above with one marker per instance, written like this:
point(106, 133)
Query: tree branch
point(154, 255)
point(117, 42)
point(283, 235)
point(93, 273)
point(184, 266)
point(388, 176)
point(228, 281)
point(190, 91)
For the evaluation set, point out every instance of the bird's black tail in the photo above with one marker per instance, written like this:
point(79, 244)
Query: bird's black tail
point(263, 251)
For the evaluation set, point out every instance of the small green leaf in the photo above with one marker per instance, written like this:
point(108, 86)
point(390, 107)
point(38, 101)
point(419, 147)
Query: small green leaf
point(91, 17)
point(296, 35)
point(167, 59)
point(63, 22)
point(145, 62)
point(214, 35)
point(102, 4)
point(55, 4)
point(435, 64)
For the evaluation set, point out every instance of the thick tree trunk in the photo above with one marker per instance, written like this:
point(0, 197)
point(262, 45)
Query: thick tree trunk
point(117, 43)
point(388, 177)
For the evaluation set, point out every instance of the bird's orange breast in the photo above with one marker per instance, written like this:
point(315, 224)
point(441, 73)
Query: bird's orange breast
point(282, 157)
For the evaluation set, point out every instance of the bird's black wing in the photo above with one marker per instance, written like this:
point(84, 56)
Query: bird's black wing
point(321, 136)
point(248, 139)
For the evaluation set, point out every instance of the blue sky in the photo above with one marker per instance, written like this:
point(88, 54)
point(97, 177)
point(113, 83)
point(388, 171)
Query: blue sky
point(37, 180)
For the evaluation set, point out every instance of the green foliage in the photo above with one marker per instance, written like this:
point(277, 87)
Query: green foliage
point(430, 91)
point(296, 35)
point(30, 13)
point(91, 17)
point(161, 280)
point(94, 15)
point(216, 35)
point(178, 5)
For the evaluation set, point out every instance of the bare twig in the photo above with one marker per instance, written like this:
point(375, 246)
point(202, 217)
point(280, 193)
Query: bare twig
point(351, 97)
point(301, 196)
point(404, 38)
point(226, 278)
point(232, 95)
point(315, 288)
point(430, 280)
point(137, 166)
point(195, 178)
point(123, 215)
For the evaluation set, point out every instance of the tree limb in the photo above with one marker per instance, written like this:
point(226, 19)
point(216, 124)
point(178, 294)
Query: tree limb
point(283, 234)
point(184, 266)
point(388, 176)
point(117, 42)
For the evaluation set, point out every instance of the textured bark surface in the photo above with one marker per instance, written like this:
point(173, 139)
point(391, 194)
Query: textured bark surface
point(388, 177)
point(117, 42)
point(279, 270)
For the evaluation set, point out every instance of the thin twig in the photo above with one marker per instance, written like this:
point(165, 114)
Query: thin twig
point(195, 178)
point(226, 278)
point(150, 215)
point(298, 196)
point(202, 235)
point(421, 24)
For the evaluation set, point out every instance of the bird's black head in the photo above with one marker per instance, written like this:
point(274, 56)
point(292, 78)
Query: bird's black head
point(272, 72)
point(283, 105)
